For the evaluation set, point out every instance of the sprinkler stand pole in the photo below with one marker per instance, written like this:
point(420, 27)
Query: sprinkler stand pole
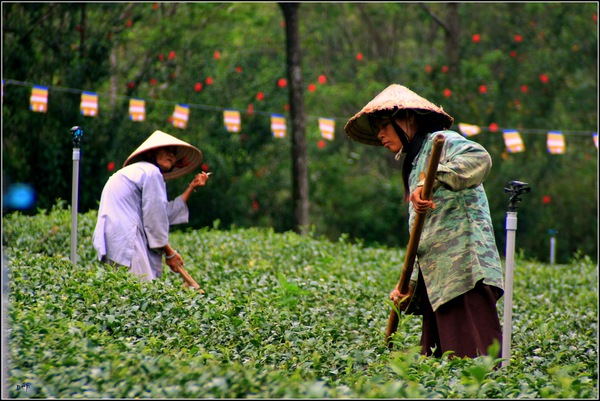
point(76, 133)
point(511, 232)
point(516, 188)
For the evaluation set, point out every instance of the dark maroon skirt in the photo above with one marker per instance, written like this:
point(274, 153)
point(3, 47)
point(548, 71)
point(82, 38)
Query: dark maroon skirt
point(466, 325)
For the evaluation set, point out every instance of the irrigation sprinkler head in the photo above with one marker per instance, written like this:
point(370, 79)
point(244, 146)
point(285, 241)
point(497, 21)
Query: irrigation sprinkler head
point(76, 135)
point(516, 189)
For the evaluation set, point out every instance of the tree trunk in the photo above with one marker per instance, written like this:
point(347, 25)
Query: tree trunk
point(299, 151)
point(453, 37)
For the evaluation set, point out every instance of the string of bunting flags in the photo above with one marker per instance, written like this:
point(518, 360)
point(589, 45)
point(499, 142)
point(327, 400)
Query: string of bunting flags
point(232, 120)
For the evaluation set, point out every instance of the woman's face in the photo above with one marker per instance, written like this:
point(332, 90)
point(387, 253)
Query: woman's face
point(166, 157)
point(387, 135)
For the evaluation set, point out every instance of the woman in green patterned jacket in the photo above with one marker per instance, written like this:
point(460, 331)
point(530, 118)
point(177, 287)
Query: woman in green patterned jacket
point(457, 279)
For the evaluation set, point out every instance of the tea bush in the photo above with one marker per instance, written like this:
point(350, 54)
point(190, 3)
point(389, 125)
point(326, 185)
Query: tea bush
point(283, 316)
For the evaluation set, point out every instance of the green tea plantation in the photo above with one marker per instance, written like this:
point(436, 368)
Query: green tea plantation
point(282, 316)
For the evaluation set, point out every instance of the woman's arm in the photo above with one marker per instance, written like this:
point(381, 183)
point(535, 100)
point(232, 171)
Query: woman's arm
point(464, 164)
point(198, 181)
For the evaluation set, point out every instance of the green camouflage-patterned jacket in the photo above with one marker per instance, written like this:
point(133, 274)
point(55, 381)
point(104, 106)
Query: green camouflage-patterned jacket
point(457, 246)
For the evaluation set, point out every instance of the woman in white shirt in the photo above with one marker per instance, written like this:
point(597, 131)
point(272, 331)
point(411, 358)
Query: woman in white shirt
point(135, 214)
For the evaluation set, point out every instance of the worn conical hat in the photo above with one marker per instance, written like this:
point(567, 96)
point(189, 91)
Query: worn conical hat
point(394, 97)
point(188, 157)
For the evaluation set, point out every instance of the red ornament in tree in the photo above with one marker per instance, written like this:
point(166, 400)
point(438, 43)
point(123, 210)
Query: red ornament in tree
point(250, 108)
point(546, 199)
point(205, 167)
point(260, 96)
point(524, 88)
point(322, 79)
point(161, 57)
point(282, 82)
point(209, 81)
point(217, 55)
point(238, 69)
point(494, 127)
point(544, 78)
point(359, 56)
point(131, 85)
point(513, 53)
point(445, 69)
point(198, 87)
point(447, 92)
point(518, 38)
point(128, 23)
point(428, 69)
point(171, 55)
point(152, 81)
point(482, 89)
point(321, 144)
point(155, 6)
point(476, 38)
point(286, 107)
point(312, 87)
point(111, 166)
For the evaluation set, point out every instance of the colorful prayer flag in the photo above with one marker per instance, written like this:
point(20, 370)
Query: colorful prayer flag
point(137, 110)
point(233, 121)
point(468, 129)
point(513, 141)
point(180, 115)
point(39, 99)
point(278, 125)
point(556, 143)
point(89, 104)
point(596, 139)
point(327, 127)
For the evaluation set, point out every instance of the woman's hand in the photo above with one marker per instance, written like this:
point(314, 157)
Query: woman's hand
point(174, 262)
point(420, 205)
point(199, 180)
point(401, 300)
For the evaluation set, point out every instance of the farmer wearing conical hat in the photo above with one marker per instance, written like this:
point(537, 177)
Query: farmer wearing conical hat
point(457, 277)
point(134, 214)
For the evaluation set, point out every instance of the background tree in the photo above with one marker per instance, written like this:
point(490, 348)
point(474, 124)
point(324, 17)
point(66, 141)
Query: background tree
point(299, 156)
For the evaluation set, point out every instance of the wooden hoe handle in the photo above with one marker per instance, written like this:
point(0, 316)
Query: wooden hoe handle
point(188, 279)
point(415, 236)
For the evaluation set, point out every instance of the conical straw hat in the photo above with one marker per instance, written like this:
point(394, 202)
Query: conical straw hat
point(188, 157)
point(394, 97)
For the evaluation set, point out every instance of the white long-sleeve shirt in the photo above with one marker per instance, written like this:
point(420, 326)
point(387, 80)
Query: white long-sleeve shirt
point(134, 218)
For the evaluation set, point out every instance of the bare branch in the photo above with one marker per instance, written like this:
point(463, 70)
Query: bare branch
point(435, 18)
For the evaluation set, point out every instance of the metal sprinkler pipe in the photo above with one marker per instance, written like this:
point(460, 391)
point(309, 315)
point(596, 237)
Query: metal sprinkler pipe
point(515, 189)
point(76, 135)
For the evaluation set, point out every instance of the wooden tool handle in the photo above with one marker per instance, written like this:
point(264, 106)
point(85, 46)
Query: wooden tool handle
point(415, 236)
point(188, 279)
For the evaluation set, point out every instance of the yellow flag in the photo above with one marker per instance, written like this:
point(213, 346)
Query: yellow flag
point(232, 120)
point(513, 141)
point(278, 125)
point(39, 99)
point(89, 104)
point(180, 116)
point(137, 110)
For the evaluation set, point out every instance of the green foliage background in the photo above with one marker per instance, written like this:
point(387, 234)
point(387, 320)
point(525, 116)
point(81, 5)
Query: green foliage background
point(283, 316)
point(115, 49)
